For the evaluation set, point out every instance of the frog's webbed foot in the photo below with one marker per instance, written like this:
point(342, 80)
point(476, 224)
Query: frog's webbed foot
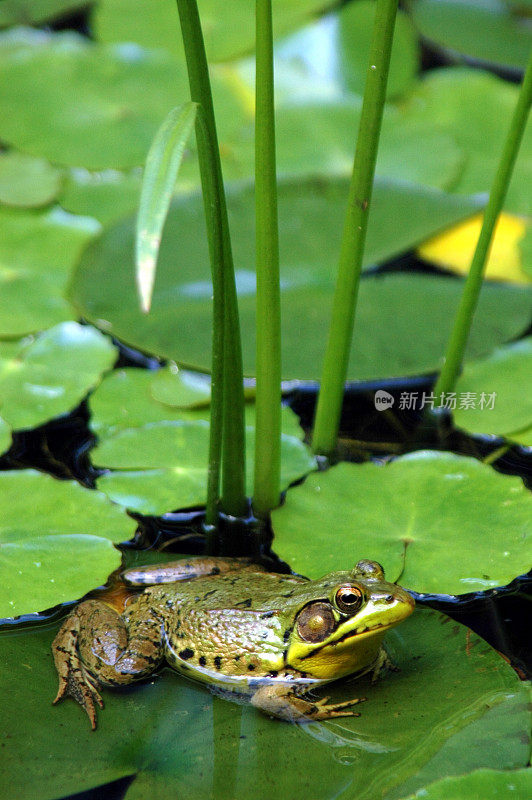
point(280, 701)
point(74, 679)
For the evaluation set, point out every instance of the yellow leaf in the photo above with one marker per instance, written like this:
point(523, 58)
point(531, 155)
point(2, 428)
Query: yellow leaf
point(454, 248)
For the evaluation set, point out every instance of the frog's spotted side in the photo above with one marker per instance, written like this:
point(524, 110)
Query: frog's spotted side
point(231, 624)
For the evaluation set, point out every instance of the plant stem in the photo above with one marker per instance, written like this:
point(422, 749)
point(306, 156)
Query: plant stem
point(214, 220)
point(268, 370)
point(233, 447)
point(456, 346)
point(334, 372)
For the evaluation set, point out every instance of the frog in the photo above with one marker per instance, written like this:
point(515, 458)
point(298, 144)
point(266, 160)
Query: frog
point(233, 625)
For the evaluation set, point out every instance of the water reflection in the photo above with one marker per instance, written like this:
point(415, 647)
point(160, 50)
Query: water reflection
point(334, 734)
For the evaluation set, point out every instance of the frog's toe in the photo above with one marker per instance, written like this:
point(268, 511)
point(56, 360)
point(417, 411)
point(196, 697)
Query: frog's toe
point(79, 685)
point(322, 709)
point(324, 702)
point(74, 680)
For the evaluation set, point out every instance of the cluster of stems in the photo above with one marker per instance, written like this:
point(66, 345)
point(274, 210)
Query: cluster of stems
point(227, 411)
point(227, 438)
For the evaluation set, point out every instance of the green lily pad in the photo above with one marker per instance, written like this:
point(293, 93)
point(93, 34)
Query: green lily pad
point(318, 138)
point(117, 97)
point(37, 252)
point(27, 12)
point(414, 515)
point(125, 399)
point(355, 31)
point(27, 181)
point(489, 30)
point(505, 373)
point(312, 139)
point(476, 107)
point(50, 375)
point(107, 196)
point(228, 28)
point(55, 540)
point(389, 338)
point(489, 784)
point(5, 436)
point(76, 562)
point(180, 388)
point(162, 466)
point(455, 705)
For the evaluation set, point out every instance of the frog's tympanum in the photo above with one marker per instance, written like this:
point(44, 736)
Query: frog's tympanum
point(229, 623)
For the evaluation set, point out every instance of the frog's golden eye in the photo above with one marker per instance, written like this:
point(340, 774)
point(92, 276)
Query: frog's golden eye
point(349, 599)
point(316, 622)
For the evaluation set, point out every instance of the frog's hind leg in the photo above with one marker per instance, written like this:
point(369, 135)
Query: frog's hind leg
point(185, 569)
point(75, 680)
point(93, 646)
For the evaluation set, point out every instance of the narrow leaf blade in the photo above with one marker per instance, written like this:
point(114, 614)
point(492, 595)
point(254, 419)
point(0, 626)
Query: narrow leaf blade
point(162, 165)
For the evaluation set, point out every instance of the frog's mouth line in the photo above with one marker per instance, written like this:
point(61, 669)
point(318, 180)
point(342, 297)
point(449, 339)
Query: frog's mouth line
point(345, 637)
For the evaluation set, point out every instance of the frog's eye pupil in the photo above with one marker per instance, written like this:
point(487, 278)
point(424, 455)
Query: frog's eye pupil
point(349, 599)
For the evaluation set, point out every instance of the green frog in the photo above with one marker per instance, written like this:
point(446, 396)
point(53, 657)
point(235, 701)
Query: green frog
point(235, 626)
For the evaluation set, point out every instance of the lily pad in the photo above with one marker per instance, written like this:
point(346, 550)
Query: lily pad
point(26, 181)
point(181, 388)
point(107, 196)
point(26, 12)
point(75, 562)
point(355, 30)
point(318, 138)
point(488, 30)
point(228, 28)
point(51, 374)
point(489, 784)
point(389, 338)
point(5, 436)
point(498, 387)
point(117, 97)
point(162, 466)
point(476, 107)
point(55, 540)
point(125, 399)
point(439, 523)
point(37, 251)
point(452, 690)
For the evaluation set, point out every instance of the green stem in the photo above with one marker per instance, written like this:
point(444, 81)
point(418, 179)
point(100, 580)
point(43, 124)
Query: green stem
point(268, 399)
point(456, 346)
point(233, 448)
point(214, 221)
point(334, 373)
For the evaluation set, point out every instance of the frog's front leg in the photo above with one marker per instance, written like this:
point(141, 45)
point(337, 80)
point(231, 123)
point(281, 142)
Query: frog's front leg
point(281, 701)
point(95, 646)
point(382, 664)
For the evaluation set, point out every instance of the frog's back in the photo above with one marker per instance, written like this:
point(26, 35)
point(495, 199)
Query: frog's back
point(230, 630)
